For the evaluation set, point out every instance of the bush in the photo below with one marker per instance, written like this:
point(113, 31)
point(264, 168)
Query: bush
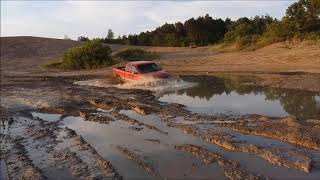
point(137, 55)
point(83, 39)
point(314, 36)
point(92, 54)
point(244, 42)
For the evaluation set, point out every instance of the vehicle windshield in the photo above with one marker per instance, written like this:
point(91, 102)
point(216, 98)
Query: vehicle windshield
point(147, 68)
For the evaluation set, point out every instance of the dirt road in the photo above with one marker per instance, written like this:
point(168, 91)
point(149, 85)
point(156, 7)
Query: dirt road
point(52, 127)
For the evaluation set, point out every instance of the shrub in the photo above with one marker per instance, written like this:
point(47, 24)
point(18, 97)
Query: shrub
point(137, 55)
point(314, 36)
point(83, 39)
point(275, 32)
point(92, 54)
point(246, 41)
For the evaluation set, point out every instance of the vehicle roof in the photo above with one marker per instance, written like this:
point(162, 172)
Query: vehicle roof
point(140, 62)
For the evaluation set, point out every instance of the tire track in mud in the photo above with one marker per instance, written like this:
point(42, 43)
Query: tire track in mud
point(142, 163)
point(147, 105)
point(110, 106)
point(95, 163)
point(133, 121)
point(305, 134)
point(44, 153)
point(280, 156)
point(105, 118)
point(231, 168)
point(274, 155)
point(18, 164)
point(140, 160)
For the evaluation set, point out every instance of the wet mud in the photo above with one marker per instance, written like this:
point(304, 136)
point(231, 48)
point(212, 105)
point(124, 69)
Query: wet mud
point(303, 133)
point(138, 159)
point(107, 132)
point(231, 168)
point(277, 155)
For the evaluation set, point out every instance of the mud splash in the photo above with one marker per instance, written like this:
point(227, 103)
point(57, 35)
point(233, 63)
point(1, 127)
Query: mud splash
point(156, 85)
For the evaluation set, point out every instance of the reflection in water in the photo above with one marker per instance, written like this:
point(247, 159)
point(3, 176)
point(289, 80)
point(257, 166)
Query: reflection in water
point(215, 95)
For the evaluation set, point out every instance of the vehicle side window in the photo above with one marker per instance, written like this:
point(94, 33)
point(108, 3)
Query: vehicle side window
point(154, 66)
point(134, 70)
point(128, 68)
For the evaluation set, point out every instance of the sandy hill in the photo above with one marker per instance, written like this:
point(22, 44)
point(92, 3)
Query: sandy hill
point(24, 47)
point(26, 53)
point(275, 58)
point(23, 53)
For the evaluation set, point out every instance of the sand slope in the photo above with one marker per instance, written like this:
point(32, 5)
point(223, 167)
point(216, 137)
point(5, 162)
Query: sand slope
point(21, 53)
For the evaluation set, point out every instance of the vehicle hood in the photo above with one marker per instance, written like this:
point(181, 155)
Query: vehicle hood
point(156, 74)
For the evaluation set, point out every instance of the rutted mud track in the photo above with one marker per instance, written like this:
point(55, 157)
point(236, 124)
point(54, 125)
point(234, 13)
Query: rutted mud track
point(68, 131)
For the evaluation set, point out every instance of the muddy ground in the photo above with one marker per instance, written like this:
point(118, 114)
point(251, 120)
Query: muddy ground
point(52, 128)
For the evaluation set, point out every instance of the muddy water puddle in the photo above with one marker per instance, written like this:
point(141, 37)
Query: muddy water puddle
point(140, 151)
point(46, 116)
point(158, 150)
point(152, 147)
point(217, 95)
point(137, 152)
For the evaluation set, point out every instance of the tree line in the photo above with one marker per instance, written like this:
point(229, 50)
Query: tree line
point(301, 21)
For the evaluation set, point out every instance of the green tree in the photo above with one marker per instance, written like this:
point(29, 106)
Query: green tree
point(302, 20)
point(110, 35)
point(302, 17)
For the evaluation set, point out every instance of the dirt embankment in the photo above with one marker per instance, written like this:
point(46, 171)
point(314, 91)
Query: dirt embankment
point(276, 58)
point(33, 47)
point(295, 66)
point(25, 54)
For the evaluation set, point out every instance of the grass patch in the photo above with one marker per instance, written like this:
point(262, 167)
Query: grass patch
point(135, 54)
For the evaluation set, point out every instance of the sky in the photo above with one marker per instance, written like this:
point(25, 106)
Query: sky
point(93, 18)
